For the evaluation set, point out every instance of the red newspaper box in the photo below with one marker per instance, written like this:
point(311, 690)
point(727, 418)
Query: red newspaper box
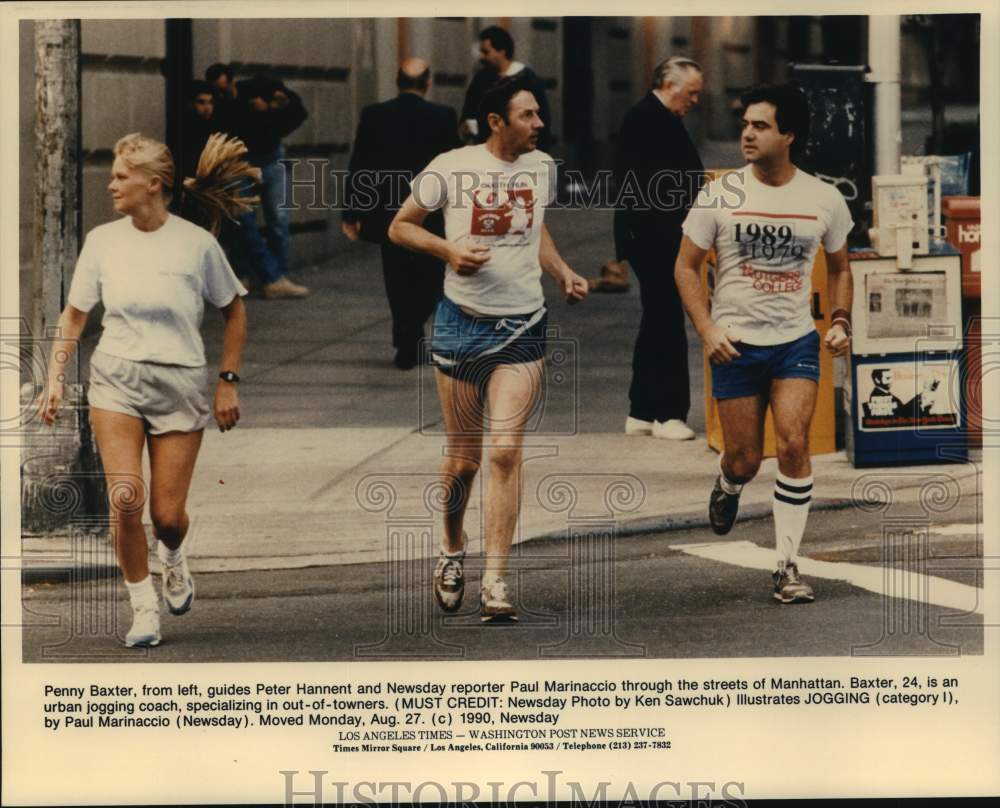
point(961, 218)
point(962, 222)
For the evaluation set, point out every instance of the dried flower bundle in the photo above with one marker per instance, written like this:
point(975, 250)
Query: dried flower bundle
point(220, 181)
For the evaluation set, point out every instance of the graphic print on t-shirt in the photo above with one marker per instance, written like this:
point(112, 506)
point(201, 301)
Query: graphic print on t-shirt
point(502, 211)
point(770, 242)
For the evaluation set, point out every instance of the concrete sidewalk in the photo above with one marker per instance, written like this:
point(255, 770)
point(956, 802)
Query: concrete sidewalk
point(338, 451)
point(336, 496)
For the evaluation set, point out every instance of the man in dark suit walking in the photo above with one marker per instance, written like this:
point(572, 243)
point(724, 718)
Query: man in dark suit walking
point(395, 141)
point(659, 175)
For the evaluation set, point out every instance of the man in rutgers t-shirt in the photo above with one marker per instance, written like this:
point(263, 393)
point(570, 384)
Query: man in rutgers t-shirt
point(766, 223)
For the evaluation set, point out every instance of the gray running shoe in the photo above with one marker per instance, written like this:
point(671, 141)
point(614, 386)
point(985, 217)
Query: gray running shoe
point(449, 582)
point(789, 587)
point(722, 509)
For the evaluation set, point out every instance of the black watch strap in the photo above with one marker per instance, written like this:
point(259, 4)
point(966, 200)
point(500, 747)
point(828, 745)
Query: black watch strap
point(229, 376)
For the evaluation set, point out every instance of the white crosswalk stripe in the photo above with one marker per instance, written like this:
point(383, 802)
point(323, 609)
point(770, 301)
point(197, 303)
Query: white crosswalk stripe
point(880, 580)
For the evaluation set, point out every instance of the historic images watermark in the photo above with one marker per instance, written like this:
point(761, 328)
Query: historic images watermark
point(917, 596)
point(553, 412)
point(316, 184)
point(550, 787)
point(79, 552)
point(413, 506)
point(67, 533)
point(945, 390)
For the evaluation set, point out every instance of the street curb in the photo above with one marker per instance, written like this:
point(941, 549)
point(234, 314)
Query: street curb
point(34, 573)
point(694, 520)
point(64, 574)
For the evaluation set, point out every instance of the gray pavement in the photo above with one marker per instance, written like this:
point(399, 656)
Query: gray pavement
point(337, 451)
point(656, 596)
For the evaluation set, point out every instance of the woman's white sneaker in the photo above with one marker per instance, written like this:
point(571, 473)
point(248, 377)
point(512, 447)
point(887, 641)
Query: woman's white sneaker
point(145, 631)
point(178, 585)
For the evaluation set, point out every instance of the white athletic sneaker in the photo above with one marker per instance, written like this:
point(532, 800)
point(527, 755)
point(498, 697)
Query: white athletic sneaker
point(674, 429)
point(494, 603)
point(145, 631)
point(178, 585)
point(636, 426)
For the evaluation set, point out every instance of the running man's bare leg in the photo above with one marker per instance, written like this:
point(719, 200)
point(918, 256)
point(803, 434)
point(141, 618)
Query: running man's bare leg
point(462, 407)
point(512, 392)
point(793, 402)
point(743, 436)
point(171, 462)
point(120, 439)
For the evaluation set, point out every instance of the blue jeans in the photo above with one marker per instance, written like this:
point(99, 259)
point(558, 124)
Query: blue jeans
point(266, 259)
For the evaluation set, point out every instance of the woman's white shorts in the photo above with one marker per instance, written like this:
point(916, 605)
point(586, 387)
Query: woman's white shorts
point(168, 398)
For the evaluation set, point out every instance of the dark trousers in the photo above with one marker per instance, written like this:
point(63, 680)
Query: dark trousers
point(661, 384)
point(414, 283)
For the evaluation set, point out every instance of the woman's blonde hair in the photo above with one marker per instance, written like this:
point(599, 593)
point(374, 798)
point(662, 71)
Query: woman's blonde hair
point(144, 154)
point(216, 189)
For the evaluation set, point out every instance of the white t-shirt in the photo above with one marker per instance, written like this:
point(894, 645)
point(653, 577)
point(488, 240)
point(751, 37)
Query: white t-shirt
point(500, 205)
point(765, 239)
point(153, 286)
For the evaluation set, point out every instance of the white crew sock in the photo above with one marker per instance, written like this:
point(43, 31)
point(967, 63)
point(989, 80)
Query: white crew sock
point(141, 592)
point(489, 578)
point(791, 510)
point(726, 484)
point(168, 556)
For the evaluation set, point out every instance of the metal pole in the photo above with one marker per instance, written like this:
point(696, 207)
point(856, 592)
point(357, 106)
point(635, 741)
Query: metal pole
point(883, 57)
point(57, 146)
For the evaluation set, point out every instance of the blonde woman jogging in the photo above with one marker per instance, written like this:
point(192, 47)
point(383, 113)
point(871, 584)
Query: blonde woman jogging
point(153, 272)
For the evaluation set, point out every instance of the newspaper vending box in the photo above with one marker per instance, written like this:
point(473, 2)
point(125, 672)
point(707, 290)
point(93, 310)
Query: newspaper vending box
point(904, 399)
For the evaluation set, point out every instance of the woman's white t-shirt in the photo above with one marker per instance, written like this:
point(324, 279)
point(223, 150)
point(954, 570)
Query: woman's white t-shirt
point(500, 205)
point(153, 286)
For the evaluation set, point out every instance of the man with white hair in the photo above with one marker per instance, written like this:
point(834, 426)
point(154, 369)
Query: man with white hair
point(659, 175)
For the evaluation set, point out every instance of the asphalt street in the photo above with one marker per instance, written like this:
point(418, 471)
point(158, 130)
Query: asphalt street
point(664, 602)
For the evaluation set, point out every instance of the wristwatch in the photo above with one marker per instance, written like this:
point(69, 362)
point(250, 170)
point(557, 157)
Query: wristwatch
point(229, 376)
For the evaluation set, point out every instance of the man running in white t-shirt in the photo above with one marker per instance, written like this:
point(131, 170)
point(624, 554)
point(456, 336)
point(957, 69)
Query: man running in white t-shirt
point(766, 223)
point(488, 340)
